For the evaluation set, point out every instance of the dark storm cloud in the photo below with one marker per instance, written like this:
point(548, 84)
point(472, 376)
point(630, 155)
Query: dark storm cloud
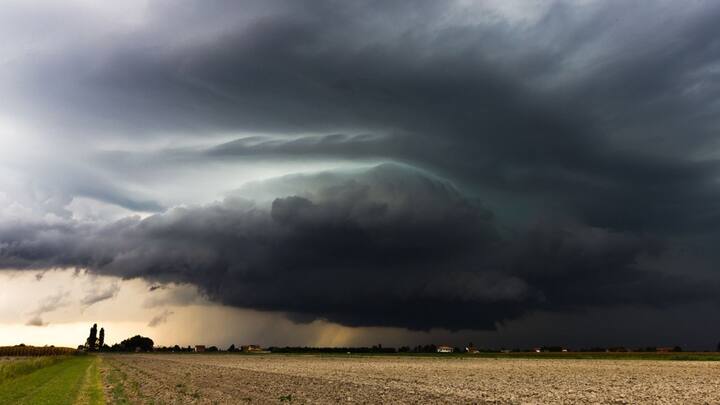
point(600, 117)
point(604, 112)
point(390, 246)
point(608, 188)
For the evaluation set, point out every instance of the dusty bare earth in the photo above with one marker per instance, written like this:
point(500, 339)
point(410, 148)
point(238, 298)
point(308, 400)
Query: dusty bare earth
point(230, 379)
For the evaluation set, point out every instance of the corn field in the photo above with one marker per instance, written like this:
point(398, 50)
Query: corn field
point(35, 351)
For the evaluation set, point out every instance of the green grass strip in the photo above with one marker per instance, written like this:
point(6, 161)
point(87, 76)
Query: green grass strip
point(15, 368)
point(57, 384)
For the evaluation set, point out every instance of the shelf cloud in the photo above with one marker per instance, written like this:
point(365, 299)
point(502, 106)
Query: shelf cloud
point(387, 246)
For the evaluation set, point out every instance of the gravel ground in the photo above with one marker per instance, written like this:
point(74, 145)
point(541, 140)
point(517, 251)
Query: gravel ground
point(228, 379)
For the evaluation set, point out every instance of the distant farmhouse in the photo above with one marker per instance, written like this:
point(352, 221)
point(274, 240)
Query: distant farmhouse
point(547, 349)
point(251, 348)
point(445, 349)
point(199, 348)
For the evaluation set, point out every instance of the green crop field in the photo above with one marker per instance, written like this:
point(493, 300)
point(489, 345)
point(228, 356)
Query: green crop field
point(51, 381)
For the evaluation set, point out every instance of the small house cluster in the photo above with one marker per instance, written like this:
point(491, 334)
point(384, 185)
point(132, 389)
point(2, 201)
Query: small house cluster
point(251, 349)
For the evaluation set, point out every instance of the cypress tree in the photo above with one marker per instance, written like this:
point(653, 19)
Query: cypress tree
point(101, 339)
point(92, 339)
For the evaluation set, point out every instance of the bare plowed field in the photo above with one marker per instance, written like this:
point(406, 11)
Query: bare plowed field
point(229, 379)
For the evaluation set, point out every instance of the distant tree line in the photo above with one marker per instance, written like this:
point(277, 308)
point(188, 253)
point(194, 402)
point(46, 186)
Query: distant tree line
point(174, 349)
point(180, 349)
point(307, 349)
point(620, 349)
point(143, 344)
point(96, 342)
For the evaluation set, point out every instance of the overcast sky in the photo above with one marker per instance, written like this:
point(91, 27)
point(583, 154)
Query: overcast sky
point(518, 173)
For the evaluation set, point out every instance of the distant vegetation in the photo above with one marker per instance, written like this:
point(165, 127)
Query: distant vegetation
point(306, 349)
point(136, 343)
point(174, 349)
point(22, 350)
point(96, 342)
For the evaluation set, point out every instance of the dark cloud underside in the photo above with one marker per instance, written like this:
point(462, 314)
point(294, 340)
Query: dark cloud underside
point(389, 246)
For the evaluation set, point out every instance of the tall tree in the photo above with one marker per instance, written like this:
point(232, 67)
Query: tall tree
point(92, 339)
point(101, 339)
